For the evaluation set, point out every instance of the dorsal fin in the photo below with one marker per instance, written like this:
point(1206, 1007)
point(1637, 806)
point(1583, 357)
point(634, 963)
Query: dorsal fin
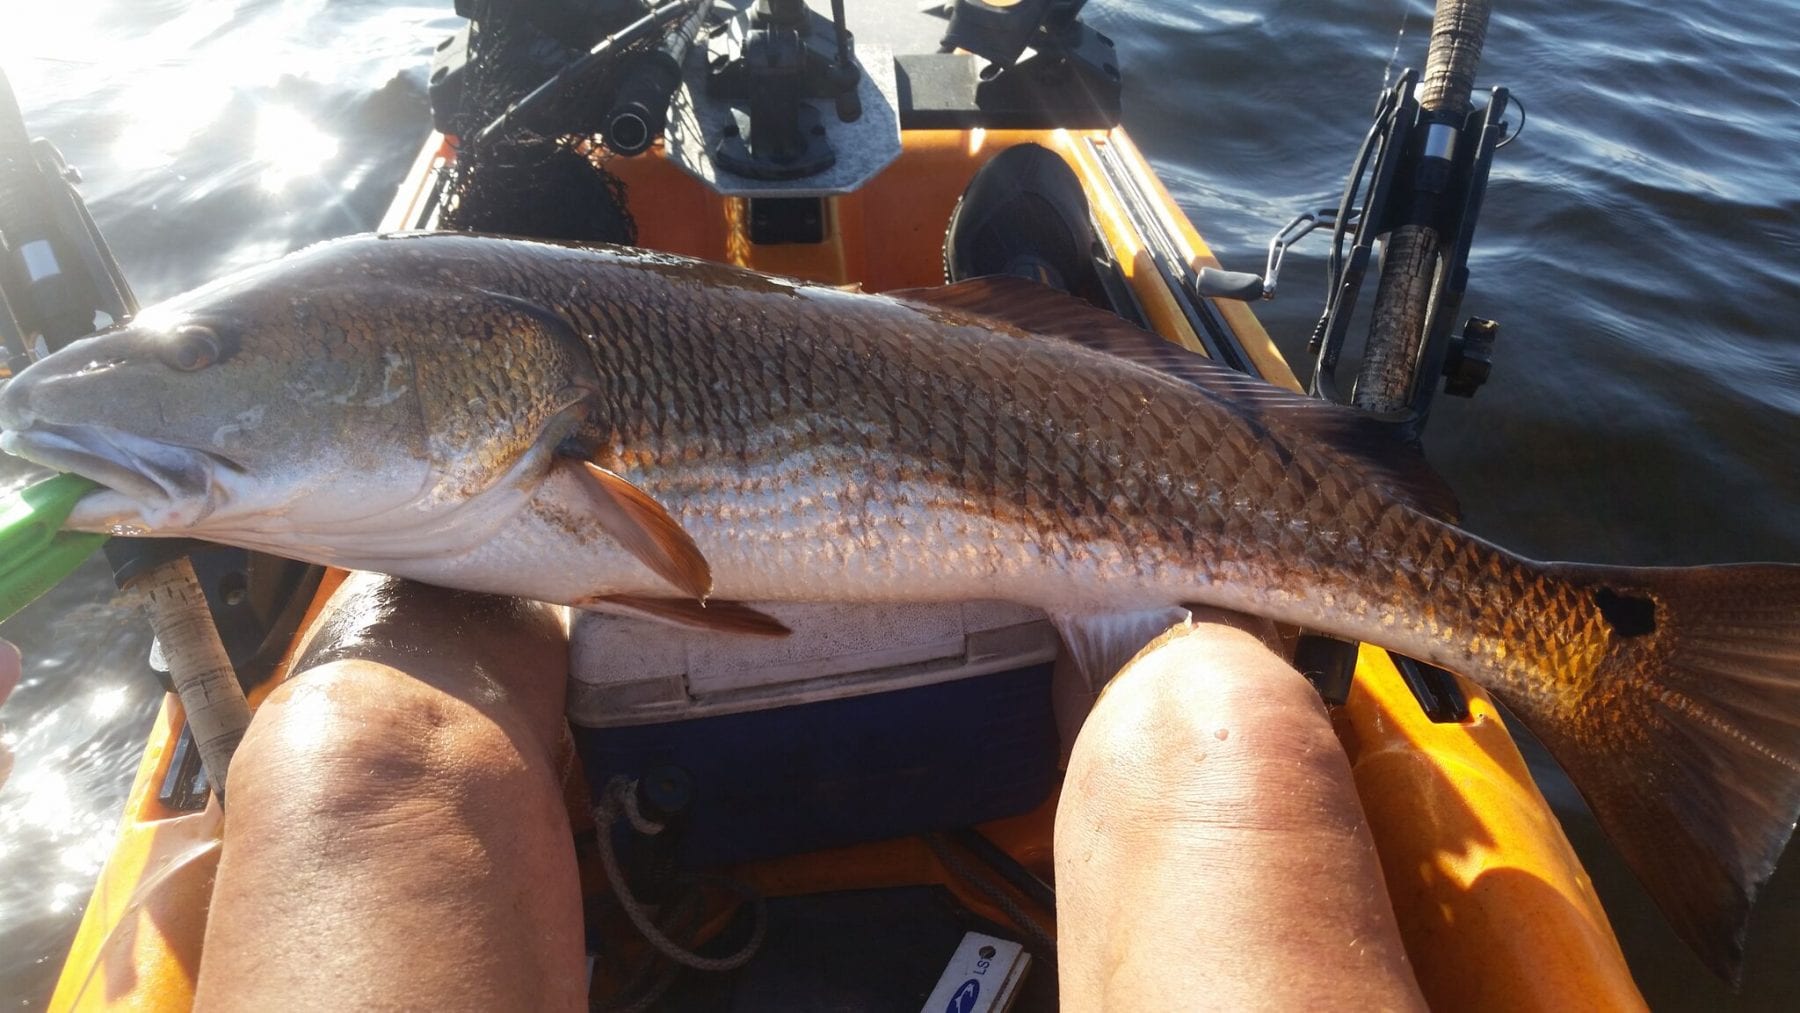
point(1386, 449)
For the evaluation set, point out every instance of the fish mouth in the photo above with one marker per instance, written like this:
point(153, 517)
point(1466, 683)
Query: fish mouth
point(146, 480)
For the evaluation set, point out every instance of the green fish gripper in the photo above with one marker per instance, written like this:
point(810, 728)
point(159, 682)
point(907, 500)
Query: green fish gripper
point(35, 553)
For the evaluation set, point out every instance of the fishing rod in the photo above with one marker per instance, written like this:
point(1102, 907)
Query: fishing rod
point(1410, 204)
point(1414, 192)
point(1430, 161)
point(1434, 195)
point(640, 107)
point(602, 52)
point(1412, 262)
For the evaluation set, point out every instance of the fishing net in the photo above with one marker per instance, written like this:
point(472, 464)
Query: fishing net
point(542, 175)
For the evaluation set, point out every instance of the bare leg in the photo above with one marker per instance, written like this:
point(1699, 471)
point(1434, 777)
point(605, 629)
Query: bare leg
point(1210, 849)
point(396, 836)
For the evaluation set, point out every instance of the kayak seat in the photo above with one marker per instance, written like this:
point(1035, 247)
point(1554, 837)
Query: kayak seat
point(1025, 214)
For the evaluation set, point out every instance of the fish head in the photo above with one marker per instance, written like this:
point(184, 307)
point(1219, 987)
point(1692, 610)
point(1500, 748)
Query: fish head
point(329, 398)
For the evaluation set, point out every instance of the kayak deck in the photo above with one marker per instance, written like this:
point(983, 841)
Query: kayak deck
point(1495, 909)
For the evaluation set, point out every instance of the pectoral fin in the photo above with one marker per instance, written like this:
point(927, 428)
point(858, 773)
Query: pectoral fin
point(724, 616)
point(646, 530)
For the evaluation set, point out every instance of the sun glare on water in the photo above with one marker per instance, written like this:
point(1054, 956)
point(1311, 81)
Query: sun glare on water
point(160, 129)
point(289, 146)
point(186, 93)
point(108, 702)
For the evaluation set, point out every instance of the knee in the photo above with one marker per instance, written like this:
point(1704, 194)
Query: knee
point(360, 744)
point(1202, 685)
point(380, 812)
point(1207, 726)
point(1208, 791)
point(471, 645)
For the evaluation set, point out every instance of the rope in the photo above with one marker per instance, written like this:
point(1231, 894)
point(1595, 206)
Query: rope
point(994, 892)
point(633, 815)
point(650, 979)
point(619, 800)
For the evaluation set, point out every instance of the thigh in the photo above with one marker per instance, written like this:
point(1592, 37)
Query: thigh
point(396, 835)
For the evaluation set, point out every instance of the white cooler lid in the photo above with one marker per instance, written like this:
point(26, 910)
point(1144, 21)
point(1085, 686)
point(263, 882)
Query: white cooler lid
point(629, 671)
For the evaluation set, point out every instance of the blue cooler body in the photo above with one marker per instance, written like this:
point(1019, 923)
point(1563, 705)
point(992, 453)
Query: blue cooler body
point(866, 724)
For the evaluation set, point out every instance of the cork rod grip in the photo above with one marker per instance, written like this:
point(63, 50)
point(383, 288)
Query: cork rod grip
point(1409, 254)
point(202, 672)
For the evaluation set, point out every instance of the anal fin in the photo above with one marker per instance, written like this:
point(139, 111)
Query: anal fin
point(719, 615)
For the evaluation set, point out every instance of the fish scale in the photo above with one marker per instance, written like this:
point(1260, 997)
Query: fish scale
point(1068, 487)
point(620, 429)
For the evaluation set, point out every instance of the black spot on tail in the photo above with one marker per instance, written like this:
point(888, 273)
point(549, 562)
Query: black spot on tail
point(1629, 615)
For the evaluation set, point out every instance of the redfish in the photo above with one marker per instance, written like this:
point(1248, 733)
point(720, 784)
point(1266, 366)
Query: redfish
point(628, 431)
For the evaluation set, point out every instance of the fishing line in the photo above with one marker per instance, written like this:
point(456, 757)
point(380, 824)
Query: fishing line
point(1104, 17)
point(1387, 74)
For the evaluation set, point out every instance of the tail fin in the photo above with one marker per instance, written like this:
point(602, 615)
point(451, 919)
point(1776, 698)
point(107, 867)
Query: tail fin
point(1687, 743)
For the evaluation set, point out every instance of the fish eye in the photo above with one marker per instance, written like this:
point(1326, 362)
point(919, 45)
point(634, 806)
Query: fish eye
point(193, 347)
